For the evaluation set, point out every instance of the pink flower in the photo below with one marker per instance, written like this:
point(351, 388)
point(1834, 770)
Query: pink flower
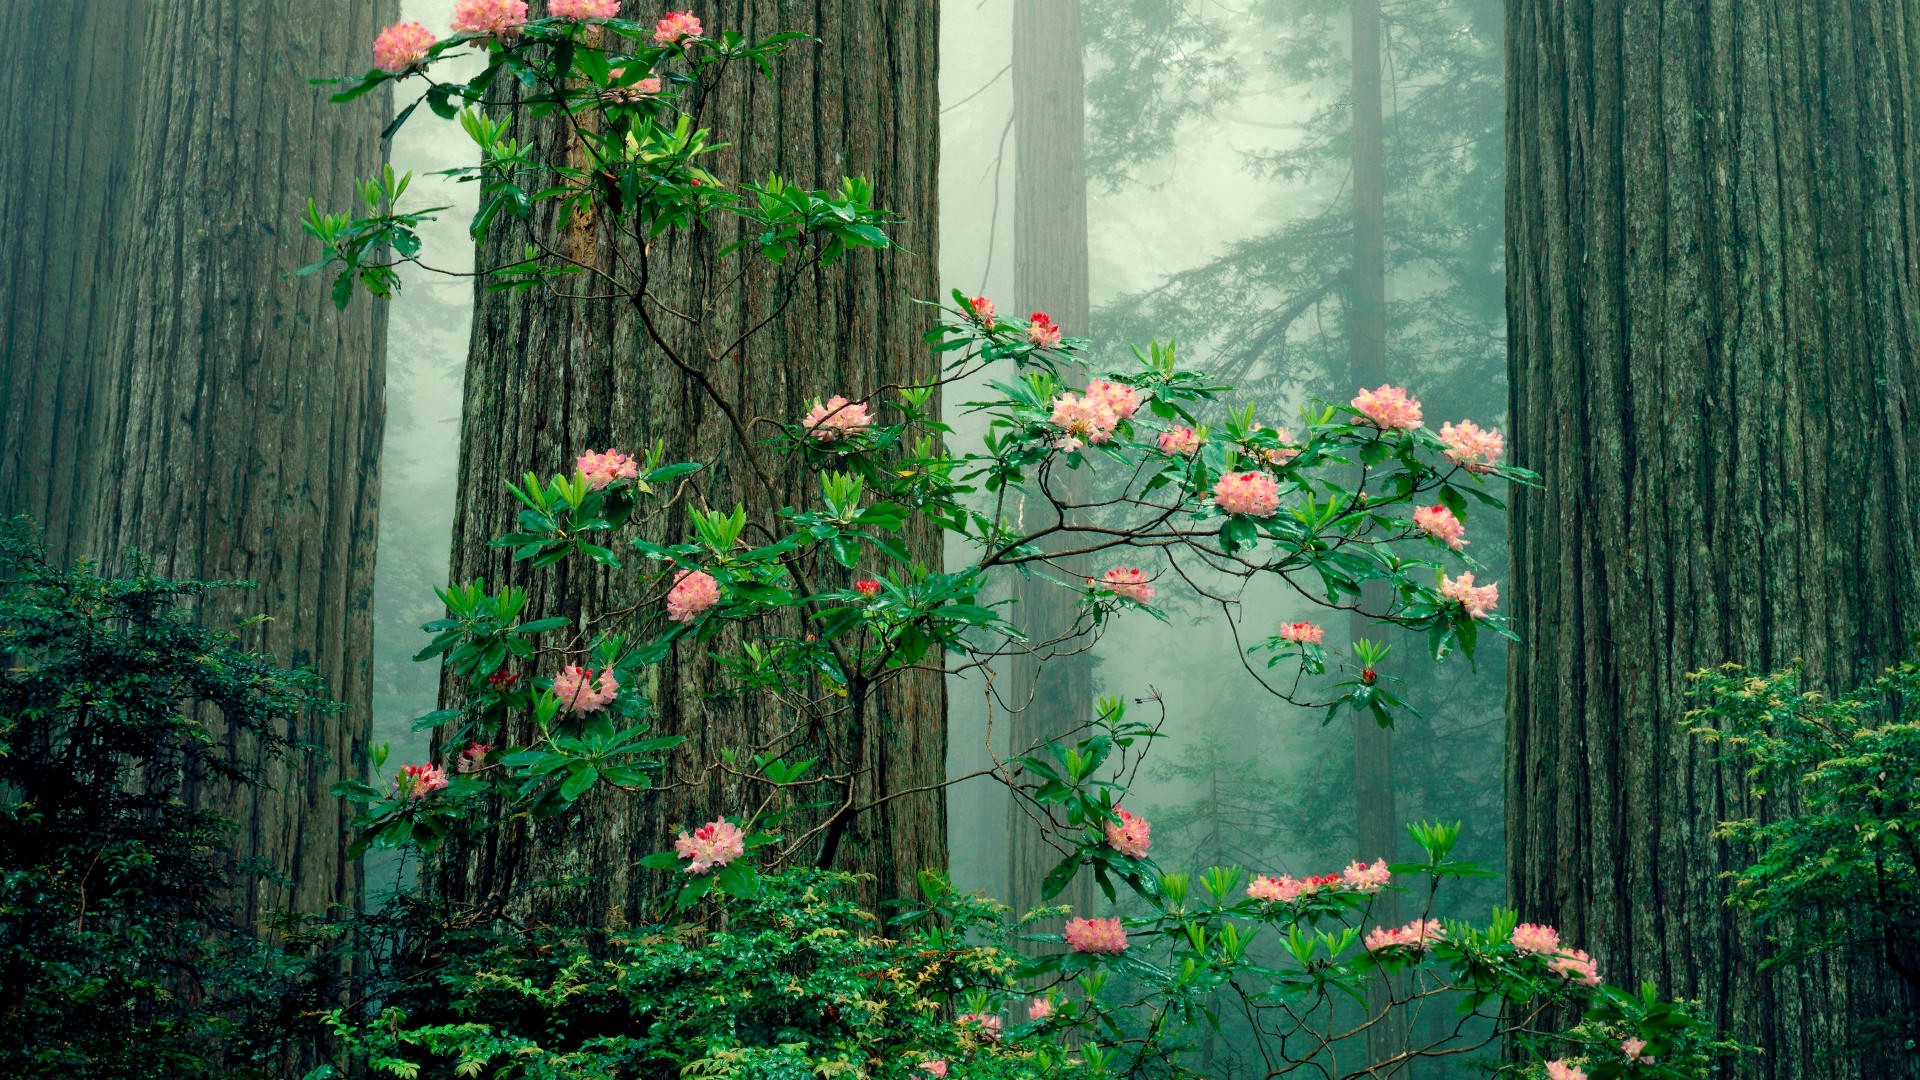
point(500, 19)
point(675, 27)
point(1276, 890)
point(401, 46)
point(419, 781)
point(1302, 633)
point(1576, 966)
point(988, 1023)
point(1040, 1009)
point(1477, 599)
point(1130, 836)
point(1119, 399)
point(1418, 936)
point(937, 1068)
point(1251, 493)
point(1128, 581)
point(1279, 455)
point(1086, 418)
point(867, 587)
point(711, 846)
point(837, 419)
point(1360, 877)
point(584, 690)
point(1438, 522)
point(648, 86)
point(1179, 442)
point(1096, 936)
point(1042, 332)
point(1636, 1050)
point(1388, 408)
point(1534, 938)
point(1471, 447)
point(1564, 1070)
point(693, 592)
point(474, 757)
point(582, 10)
point(602, 469)
point(982, 309)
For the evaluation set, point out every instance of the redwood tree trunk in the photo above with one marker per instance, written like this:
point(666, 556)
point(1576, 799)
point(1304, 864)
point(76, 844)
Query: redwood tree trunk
point(166, 386)
point(548, 378)
point(1713, 262)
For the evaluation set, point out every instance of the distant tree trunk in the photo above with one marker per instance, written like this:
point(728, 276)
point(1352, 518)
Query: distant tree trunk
point(166, 387)
point(1713, 268)
point(548, 378)
point(1051, 696)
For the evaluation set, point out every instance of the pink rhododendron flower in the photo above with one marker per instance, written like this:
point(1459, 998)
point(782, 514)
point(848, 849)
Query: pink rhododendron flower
point(1302, 633)
point(583, 690)
point(1127, 581)
point(1417, 935)
point(1360, 877)
point(1130, 836)
point(1388, 408)
point(837, 419)
point(1179, 442)
point(1636, 1051)
point(1479, 600)
point(988, 1023)
point(419, 781)
point(937, 1068)
point(1534, 938)
point(1274, 890)
point(693, 592)
point(1470, 446)
point(602, 469)
point(474, 757)
point(867, 587)
point(675, 27)
point(711, 846)
point(982, 309)
point(500, 19)
point(1438, 522)
point(401, 46)
point(1577, 966)
point(1119, 399)
point(1564, 1070)
point(584, 9)
point(1042, 332)
point(1096, 936)
point(1251, 493)
point(1040, 1009)
point(1083, 417)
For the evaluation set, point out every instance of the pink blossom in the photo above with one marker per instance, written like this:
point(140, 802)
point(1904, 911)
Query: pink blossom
point(837, 419)
point(1042, 332)
point(1067, 444)
point(1471, 447)
point(1388, 408)
point(693, 592)
point(584, 690)
point(1564, 1070)
point(1577, 966)
point(419, 781)
point(1130, 836)
point(602, 469)
point(1040, 1009)
point(867, 587)
point(1438, 522)
point(1279, 455)
point(1418, 935)
point(988, 1023)
point(1360, 877)
point(584, 9)
point(1120, 399)
point(711, 846)
point(1302, 633)
point(401, 46)
point(474, 757)
point(1096, 936)
point(648, 86)
point(1477, 599)
point(500, 19)
point(1251, 493)
point(936, 1068)
point(1636, 1050)
point(675, 27)
point(1128, 581)
point(982, 309)
point(1179, 442)
point(1535, 938)
point(1276, 890)
point(1087, 418)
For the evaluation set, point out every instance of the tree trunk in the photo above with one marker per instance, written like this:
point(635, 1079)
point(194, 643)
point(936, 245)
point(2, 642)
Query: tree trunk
point(1049, 696)
point(167, 387)
point(1713, 261)
point(548, 378)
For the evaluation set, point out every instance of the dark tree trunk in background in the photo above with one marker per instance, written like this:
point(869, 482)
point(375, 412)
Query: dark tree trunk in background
point(166, 387)
point(548, 378)
point(1049, 696)
point(1714, 307)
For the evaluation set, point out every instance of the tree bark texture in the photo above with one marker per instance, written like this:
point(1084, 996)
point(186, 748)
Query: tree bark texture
point(548, 378)
point(167, 386)
point(1713, 261)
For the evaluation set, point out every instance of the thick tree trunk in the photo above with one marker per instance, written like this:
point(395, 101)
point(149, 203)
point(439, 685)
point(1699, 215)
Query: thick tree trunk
point(167, 387)
point(1713, 265)
point(1050, 695)
point(548, 378)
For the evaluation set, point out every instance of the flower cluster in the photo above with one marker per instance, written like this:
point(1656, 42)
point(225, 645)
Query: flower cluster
point(1042, 332)
point(675, 27)
point(474, 757)
point(1127, 581)
point(987, 1024)
point(1179, 442)
point(1302, 633)
point(711, 846)
point(1388, 408)
point(1534, 938)
point(1277, 456)
point(1565, 1070)
point(1418, 936)
point(582, 10)
point(1479, 600)
point(1360, 877)
point(419, 781)
point(1130, 836)
point(1577, 966)
point(499, 19)
point(837, 419)
point(584, 690)
point(1280, 890)
point(1438, 522)
point(1470, 446)
point(693, 592)
point(1081, 419)
point(982, 309)
point(602, 469)
point(401, 46)
point(1040, 1009)
point(1251, 493)
point(1096, 936)
point(867, 587)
